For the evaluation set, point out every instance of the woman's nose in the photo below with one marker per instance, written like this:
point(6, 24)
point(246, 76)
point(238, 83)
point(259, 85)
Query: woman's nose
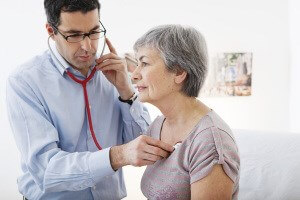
point(136, 76)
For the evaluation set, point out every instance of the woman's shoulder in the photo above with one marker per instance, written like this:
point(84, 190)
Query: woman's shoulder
point(211, 143)
point(210, 126)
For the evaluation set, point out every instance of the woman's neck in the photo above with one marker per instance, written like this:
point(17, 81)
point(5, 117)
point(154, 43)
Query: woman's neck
point(182, 115)
point(178, 108)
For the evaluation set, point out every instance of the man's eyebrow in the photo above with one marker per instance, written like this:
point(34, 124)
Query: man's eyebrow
point(77, 31)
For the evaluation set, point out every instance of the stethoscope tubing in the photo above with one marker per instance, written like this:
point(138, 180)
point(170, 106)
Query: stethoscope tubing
point(83, 83)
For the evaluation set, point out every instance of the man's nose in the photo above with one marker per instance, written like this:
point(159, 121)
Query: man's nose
point(86, 44)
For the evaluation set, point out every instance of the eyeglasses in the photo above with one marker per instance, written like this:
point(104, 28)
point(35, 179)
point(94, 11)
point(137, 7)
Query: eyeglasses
point(93, 35)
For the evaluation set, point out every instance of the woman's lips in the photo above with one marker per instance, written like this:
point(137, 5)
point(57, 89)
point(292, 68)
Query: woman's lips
point(141, 88)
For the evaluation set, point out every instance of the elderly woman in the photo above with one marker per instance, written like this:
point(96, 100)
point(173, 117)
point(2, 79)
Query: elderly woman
point(172, 65)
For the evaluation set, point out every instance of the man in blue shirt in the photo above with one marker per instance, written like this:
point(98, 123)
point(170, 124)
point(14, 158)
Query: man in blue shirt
point(74, 137)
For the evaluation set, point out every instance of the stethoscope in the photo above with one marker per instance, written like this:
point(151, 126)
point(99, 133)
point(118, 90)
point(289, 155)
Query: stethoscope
point(83, 83)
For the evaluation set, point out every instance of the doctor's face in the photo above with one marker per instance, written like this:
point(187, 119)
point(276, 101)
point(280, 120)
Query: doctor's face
point(80, 55)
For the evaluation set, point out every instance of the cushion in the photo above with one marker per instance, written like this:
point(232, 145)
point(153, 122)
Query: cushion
point(270, 165)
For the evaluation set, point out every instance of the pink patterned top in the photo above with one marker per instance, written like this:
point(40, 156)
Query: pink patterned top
point(210, 142)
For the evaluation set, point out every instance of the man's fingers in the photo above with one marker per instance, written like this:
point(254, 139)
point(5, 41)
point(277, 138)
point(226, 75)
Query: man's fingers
point(151, 157)
point(108, 57)
point(145, 150)
point(156, 151)
point(110, 68)
point(159, 144)
point(108, 63)
point(110, 46)
point(143, 163)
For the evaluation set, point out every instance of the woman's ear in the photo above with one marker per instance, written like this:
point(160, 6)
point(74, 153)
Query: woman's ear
point(180, 76)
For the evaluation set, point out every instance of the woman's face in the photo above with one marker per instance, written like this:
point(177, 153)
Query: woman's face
point(153, 81)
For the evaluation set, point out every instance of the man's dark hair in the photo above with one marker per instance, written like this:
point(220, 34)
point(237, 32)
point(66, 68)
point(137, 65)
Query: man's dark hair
point(54, 8)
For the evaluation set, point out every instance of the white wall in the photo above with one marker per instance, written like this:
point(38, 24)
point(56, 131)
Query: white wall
point(22, 35)
point(254, 26)
point(295, 64)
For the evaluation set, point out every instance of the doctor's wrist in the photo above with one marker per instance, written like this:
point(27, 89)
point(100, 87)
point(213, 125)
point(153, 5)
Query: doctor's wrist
point(126, 95)
point(130, 100)
point(117, 159)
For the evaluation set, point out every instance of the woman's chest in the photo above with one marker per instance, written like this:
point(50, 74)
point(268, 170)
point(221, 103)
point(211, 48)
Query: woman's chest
point(167, 179)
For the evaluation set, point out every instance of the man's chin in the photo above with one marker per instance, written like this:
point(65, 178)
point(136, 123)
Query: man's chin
point(84, 64)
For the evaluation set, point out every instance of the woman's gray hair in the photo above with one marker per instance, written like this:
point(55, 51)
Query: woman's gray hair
point(182, 49)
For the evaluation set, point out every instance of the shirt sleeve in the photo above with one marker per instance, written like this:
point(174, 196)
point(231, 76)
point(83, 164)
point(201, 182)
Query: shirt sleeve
point(210, 147)
point(51, 168)
point(136, 119)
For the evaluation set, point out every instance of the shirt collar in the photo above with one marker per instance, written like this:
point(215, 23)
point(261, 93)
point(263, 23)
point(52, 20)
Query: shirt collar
point(59, 60)
point(63, 62)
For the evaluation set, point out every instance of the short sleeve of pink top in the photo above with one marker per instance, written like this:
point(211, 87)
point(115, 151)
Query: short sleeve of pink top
point(210, 142)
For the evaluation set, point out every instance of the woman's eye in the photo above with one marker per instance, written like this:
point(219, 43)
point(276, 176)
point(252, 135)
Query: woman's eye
point(144, 64)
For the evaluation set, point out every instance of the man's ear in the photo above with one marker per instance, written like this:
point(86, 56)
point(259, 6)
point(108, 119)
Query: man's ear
point(180, 76)
point(49, 29)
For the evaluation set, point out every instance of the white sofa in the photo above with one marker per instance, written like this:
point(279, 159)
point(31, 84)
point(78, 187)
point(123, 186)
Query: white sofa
point(270, 165)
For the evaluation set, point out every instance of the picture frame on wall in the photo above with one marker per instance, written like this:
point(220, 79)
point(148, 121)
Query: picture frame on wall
point(229, 74)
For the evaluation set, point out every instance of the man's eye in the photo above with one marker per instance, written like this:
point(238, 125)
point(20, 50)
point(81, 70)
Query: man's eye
point(95, 32)
point(75, 36)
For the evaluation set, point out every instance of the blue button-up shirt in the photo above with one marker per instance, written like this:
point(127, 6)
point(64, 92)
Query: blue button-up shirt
point(49, 121)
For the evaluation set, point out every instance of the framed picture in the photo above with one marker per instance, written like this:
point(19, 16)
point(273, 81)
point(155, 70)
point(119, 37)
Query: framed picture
point(229, 74)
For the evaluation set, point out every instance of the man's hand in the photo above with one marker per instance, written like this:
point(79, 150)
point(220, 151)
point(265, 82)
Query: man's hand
point(144, 150)
point(115, 70)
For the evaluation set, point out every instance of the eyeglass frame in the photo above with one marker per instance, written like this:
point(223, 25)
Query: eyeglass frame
point(84, 34)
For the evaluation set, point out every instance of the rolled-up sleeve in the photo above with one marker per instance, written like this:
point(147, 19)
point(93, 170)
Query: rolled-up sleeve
point(210, 147)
